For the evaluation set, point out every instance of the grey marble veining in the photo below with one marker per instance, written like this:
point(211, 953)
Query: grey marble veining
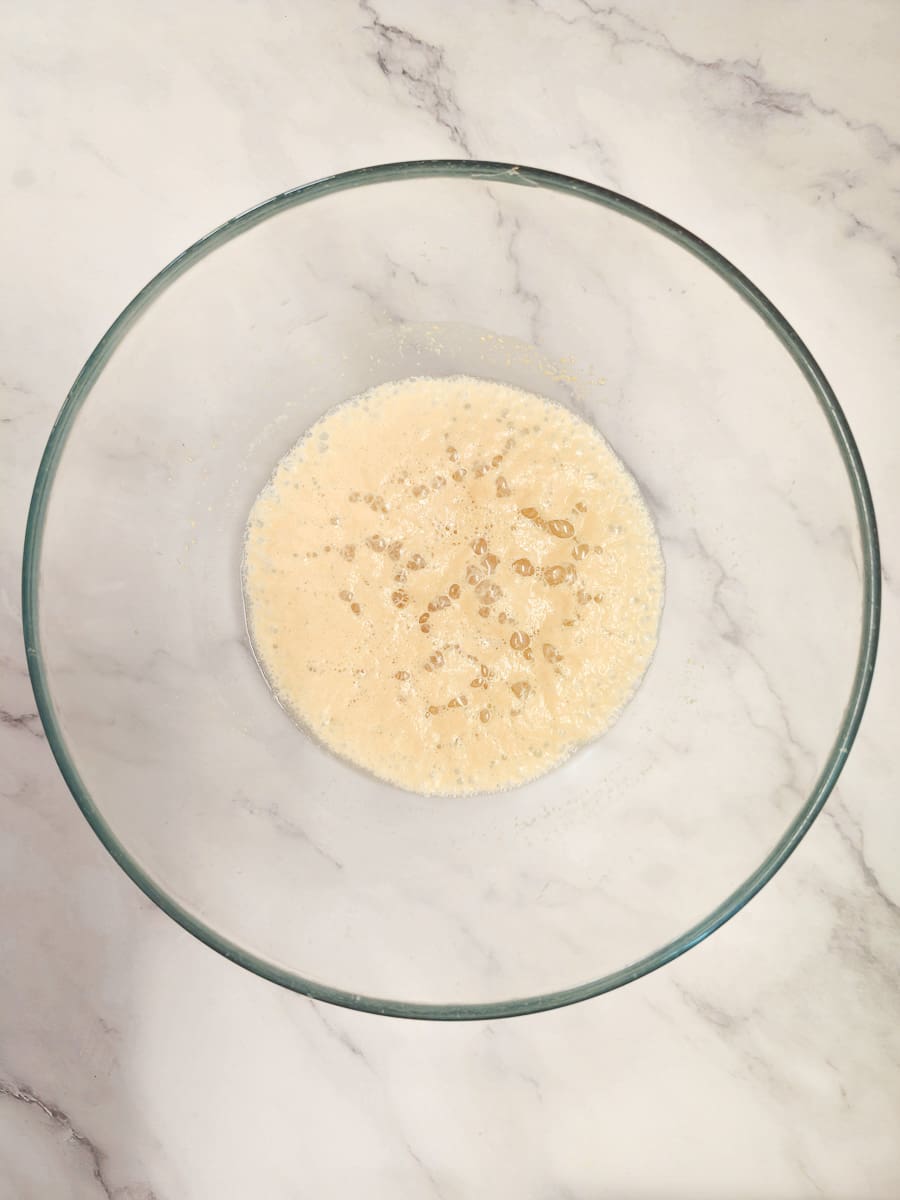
point(137, 1065)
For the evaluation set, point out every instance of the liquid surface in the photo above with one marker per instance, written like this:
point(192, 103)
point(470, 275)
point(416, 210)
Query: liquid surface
point(452, 583)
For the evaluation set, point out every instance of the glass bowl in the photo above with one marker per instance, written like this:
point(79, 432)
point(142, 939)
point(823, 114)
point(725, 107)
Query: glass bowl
point(299, 866)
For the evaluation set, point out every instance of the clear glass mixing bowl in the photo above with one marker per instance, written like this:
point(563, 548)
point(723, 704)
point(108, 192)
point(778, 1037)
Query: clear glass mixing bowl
point(297, 865)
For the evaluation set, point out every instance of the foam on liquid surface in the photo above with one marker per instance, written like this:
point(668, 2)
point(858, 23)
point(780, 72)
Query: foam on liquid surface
point(452, 583)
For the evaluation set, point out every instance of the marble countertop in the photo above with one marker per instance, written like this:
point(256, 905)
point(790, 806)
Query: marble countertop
point(135, 1064)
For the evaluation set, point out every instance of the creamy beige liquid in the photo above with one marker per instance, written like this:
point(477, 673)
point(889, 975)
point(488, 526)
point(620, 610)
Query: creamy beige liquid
point(452, 583)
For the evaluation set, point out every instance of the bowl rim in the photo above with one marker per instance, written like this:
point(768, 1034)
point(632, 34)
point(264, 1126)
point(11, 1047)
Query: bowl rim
point(485, 172)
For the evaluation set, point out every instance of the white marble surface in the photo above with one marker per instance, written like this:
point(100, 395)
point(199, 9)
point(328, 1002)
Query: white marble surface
point(136, 1064)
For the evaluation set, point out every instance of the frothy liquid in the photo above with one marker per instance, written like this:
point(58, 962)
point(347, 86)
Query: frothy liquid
point(452, 583)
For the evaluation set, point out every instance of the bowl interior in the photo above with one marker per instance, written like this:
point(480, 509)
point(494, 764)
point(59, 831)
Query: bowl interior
point(305, 868)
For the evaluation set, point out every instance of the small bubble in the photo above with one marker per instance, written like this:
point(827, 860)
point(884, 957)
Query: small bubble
point(459, 474)
point(425, 628)
point(458, 702)
point(349, 552)
point(484, 716)
point(522, 566)
point(436, 660)
point(416, 563)
point(480, 546)
point(496, 460)
point(423, 618)
point(598, 599)
point(402, 675)
point(519, 640)
point(473, 576)
point(491, 562)
point(335, 520)
point(521, 690)
point(476, 683)
point(502, 487)
point(560, 528)
point(433, 710)
point(581, 551)
point(438, 482)
point(580, 506)
point(598, 549)
point(551, 653)
point(584, 597)
point(420, 492)
point(345, 595)
point(453, 454)
point(481, 469)
point(485, 672)
point(528, 655)
point(530, 514)
point(501, 617)
point(488, 592)
point(368, 497)
point(484, 612)
point(454, 591)
point(394, 550)
point(376, 542)
point(400, 599)
point(554, 575)
point(354, 497)
point(354, 608)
